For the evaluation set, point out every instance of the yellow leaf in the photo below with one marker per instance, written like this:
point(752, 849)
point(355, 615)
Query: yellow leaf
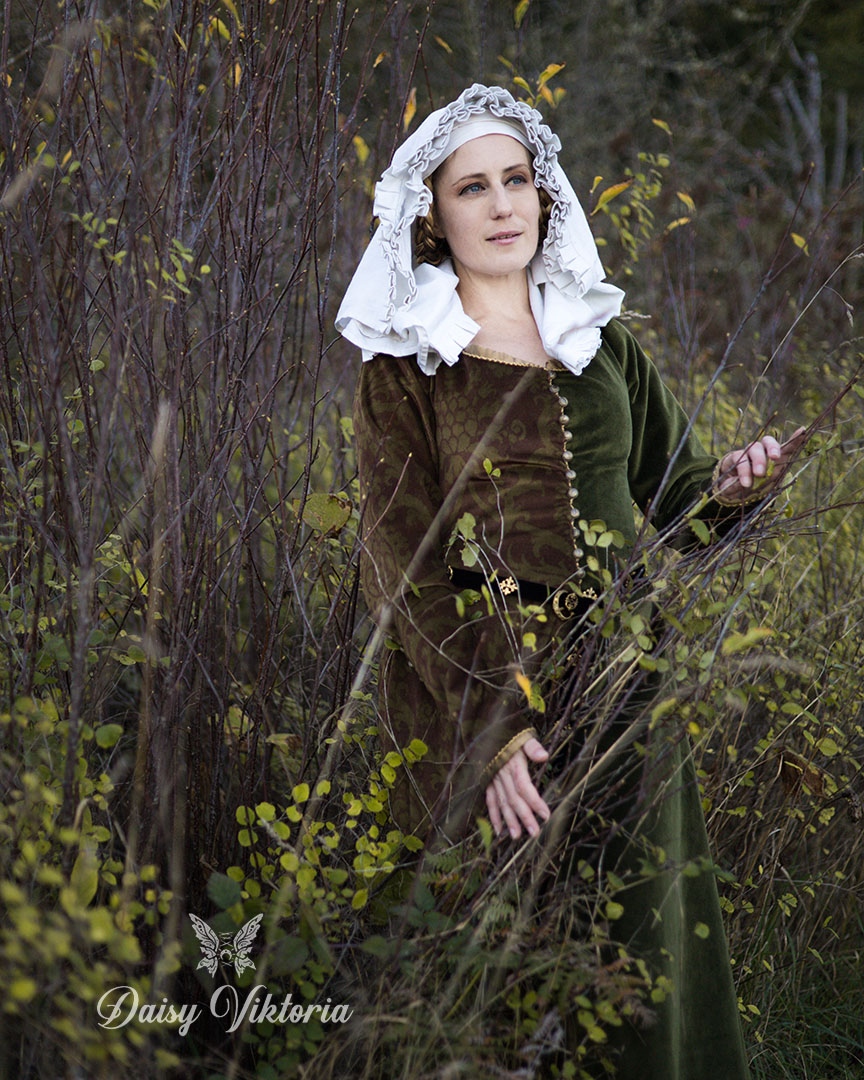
point(736, 643)
point(410, 109)
point(597, 180)
point(231, 7)
point(662, 125)
point(22, 989)
point(520, 82)
point(519, 14)
point(548, 73)
point(610, 193)
point(443, 44)
point(524, 685)
point(800, 242)
point(688, 202)
point(381, 56)
point(361, 149)
point(676, 224)
point(217, 25)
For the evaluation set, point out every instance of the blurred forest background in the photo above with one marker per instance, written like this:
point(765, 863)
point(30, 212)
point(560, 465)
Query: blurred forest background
point(187, 717)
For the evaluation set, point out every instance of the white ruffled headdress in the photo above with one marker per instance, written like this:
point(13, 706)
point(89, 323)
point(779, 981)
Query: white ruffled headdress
point(394, 307)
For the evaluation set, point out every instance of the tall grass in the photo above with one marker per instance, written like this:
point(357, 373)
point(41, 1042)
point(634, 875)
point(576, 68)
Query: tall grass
point(187, 703)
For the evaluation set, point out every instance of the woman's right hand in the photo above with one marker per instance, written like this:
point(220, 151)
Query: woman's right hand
point(511, 797)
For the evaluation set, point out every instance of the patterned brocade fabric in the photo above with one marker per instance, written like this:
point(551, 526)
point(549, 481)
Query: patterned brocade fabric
point(491, 465)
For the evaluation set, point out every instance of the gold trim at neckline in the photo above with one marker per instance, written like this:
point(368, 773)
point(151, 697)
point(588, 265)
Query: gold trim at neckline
point(504, 358)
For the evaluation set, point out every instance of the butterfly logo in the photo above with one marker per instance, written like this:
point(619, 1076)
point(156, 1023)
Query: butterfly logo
point(216, 948)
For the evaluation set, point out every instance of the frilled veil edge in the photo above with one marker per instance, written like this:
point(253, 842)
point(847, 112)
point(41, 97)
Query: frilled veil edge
point(393, 307)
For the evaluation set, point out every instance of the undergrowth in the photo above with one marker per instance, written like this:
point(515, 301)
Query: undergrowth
point(187, 673)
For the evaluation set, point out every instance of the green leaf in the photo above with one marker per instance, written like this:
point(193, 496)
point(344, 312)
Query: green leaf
point(223, 891)
point(288, 955)
point(306, 876)
point(381, 947)
point(466, 526)
point(107, 735)
point(703, 533)
point(324, 513)
point(828, 747)
point(84, 878)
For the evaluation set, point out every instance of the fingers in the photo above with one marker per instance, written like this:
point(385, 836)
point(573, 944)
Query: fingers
point(740, 470)
point(754, 460)
point(494, 812)
point(794, 443)
point(512, 799)
point(534, 750)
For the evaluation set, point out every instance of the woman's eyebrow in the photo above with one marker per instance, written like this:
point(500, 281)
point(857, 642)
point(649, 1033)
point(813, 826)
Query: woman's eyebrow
point(482, 175)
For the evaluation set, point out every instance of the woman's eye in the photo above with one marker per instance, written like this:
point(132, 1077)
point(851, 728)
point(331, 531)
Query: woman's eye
point(470, 189)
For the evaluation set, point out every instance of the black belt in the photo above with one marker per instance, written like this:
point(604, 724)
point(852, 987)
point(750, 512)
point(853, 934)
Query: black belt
point(566, 603)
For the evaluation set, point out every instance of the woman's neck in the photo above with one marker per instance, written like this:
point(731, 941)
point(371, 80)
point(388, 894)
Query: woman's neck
point(502, 309)
point(487, 300)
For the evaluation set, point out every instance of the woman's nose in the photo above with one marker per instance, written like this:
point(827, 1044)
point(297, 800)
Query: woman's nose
point(501, 204)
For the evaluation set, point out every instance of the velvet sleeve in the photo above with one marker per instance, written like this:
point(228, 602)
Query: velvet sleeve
point(668, 470)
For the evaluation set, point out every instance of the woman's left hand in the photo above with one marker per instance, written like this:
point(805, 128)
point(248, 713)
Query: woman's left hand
point(512, 799)
point(740, 471)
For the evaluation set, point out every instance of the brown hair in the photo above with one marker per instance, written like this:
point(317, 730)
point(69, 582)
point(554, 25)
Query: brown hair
point(434, 249)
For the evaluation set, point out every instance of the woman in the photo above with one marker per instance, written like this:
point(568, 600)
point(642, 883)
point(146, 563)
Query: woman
point(501, 412)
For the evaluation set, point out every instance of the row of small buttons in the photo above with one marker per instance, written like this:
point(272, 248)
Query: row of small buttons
point(567, 455)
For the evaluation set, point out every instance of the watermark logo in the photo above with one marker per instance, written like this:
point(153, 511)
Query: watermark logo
point(216, 948)
point(122, 1005)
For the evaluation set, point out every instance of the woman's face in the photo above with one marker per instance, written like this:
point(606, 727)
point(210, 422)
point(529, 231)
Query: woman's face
point(487, 207)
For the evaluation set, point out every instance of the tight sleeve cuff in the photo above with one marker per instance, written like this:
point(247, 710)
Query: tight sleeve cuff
point(507, 751)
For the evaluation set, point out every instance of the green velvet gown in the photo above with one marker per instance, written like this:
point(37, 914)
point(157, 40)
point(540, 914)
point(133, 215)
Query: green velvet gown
point(492, 465)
